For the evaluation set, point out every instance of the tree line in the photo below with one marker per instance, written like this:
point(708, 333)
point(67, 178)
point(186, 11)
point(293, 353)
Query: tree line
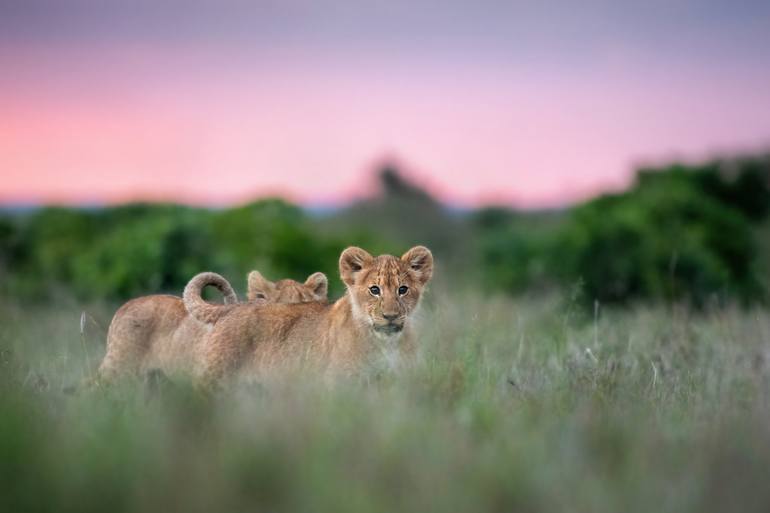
point(693, 233)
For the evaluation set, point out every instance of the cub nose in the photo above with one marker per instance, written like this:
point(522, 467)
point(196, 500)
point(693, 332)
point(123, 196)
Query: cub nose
point(390, 317)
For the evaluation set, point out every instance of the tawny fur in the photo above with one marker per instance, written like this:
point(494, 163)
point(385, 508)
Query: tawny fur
point(260, 291)
point(364, 324)
point(158, 332)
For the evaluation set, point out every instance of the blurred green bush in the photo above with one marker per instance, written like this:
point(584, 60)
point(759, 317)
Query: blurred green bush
point(679, 233)
point(682, 233)
point(664, 240)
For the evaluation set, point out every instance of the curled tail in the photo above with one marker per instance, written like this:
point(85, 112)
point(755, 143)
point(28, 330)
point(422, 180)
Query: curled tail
point(201, 310)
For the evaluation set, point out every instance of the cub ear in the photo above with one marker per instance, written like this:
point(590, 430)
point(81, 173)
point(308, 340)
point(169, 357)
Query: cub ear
point(420, 261)
point(319, 284)
point(352, 261)
point(259, 286)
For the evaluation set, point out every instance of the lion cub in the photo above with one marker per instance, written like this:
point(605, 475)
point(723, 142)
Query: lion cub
point(157, 332)
point(372, 318)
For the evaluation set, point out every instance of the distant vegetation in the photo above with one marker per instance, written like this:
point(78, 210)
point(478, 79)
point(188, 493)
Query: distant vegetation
point(683, 233)
point(687, 233)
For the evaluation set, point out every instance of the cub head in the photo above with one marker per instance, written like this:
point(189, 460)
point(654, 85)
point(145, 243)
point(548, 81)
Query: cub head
point(287, 291)
point(385, 290)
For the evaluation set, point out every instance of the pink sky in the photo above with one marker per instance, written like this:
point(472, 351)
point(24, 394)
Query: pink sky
point(217, 123)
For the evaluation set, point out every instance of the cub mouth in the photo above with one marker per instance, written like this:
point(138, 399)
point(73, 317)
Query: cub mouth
point(388, 328)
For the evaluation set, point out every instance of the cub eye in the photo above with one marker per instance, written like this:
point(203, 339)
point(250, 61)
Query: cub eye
point(375, 290)
point(403, 289)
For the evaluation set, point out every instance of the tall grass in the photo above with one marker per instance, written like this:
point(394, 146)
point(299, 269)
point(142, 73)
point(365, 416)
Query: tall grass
point(514, 405)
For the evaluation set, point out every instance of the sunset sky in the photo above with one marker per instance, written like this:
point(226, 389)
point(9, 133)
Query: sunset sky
point(215, 103)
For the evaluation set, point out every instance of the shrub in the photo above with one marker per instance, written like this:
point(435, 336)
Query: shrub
point(663, 240)
point(141, 256)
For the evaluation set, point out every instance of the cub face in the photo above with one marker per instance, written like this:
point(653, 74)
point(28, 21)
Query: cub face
point(260, 288)
point(385, 290)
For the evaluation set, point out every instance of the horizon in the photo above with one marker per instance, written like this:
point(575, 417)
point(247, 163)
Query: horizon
point(219, 103)
point(370, 190)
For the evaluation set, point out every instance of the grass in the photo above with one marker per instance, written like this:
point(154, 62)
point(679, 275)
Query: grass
point(516, 405)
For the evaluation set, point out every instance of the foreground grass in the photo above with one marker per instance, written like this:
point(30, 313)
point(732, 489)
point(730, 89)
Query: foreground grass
point(514, 406)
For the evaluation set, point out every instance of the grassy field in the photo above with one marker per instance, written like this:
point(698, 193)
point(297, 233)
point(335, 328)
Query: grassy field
point(516, 405)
